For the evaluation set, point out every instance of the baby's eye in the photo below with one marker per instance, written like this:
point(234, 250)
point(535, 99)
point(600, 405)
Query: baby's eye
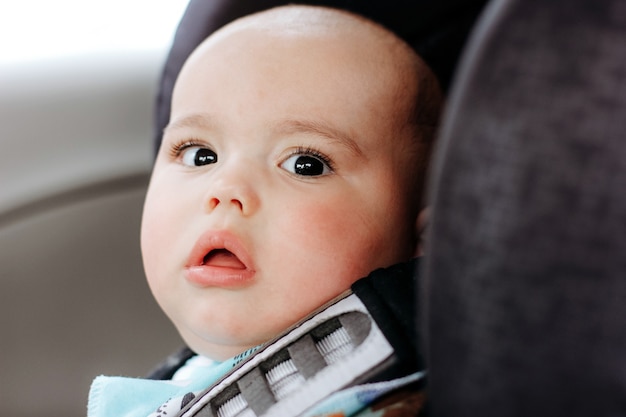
point(306, 165)
point(198, 156)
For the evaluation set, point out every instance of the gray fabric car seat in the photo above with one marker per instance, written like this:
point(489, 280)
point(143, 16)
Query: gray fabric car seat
point(525, 282)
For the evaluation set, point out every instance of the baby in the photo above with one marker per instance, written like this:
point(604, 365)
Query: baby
point(293, 165)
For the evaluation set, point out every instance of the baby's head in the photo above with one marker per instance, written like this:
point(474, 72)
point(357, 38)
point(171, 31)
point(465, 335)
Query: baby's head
point(292, 166)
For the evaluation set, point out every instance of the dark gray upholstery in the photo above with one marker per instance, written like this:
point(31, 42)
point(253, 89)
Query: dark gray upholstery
point(525, 284)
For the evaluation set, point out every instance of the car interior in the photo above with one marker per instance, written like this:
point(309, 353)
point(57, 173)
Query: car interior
point(76, 159)
point(522, 299)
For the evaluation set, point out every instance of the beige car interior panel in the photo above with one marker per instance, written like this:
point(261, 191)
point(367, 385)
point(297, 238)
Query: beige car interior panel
point(75, 162)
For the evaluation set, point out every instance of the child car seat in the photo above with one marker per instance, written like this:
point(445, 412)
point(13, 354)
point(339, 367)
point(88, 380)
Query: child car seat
point(525, 290)
point(525, 283)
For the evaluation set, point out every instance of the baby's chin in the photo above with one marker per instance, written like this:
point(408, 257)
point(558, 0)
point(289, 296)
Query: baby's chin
point(224, 342)
point(221, 350)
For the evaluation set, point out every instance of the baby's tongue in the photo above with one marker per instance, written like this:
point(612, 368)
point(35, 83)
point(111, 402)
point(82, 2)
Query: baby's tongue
point(224, 259)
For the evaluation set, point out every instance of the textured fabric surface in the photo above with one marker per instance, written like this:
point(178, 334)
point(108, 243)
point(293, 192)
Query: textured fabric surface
point(171, 364)
point(389, 294)
point(526, 277)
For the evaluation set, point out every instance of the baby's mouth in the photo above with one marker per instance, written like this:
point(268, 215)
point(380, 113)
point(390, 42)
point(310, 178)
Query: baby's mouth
point(223, 258)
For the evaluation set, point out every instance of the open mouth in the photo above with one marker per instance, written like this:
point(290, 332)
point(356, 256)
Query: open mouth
point(222, 258)
point(219, 259)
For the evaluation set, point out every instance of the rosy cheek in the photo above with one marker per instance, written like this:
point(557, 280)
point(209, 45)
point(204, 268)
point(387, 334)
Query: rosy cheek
point(328, 240)
point(157, 230)
point(316, 225)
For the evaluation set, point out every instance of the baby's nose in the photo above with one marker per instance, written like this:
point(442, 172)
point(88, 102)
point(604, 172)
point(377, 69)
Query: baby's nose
point(234, 189)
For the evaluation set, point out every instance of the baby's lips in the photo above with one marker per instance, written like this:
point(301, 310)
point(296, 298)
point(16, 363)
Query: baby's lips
point(223, 258)
point(221, 249)
point(219, 259)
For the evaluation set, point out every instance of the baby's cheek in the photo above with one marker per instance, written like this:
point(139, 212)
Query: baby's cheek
point(158, 249)
point(334, 244)
point(319, 228)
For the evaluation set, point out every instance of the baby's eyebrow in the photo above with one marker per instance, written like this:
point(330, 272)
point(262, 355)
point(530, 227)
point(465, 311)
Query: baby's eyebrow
point(201, 120)
point(288, 127)
point(285, 127)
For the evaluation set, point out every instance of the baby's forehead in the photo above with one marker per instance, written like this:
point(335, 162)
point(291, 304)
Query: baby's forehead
point(302, 19)
point(355, 36)
point(372, 55)
point(301, 23)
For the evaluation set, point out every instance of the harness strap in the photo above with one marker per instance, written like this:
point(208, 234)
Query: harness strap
point(368, 334)
point(338, 346)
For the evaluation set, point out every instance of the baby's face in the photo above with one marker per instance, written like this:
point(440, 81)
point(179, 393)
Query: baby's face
point(281, 180)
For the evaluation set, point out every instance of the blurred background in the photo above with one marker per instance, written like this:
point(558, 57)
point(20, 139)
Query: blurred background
point(77, 87)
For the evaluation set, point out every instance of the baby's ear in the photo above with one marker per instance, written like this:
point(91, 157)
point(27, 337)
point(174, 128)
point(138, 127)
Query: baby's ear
point(420, 230)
